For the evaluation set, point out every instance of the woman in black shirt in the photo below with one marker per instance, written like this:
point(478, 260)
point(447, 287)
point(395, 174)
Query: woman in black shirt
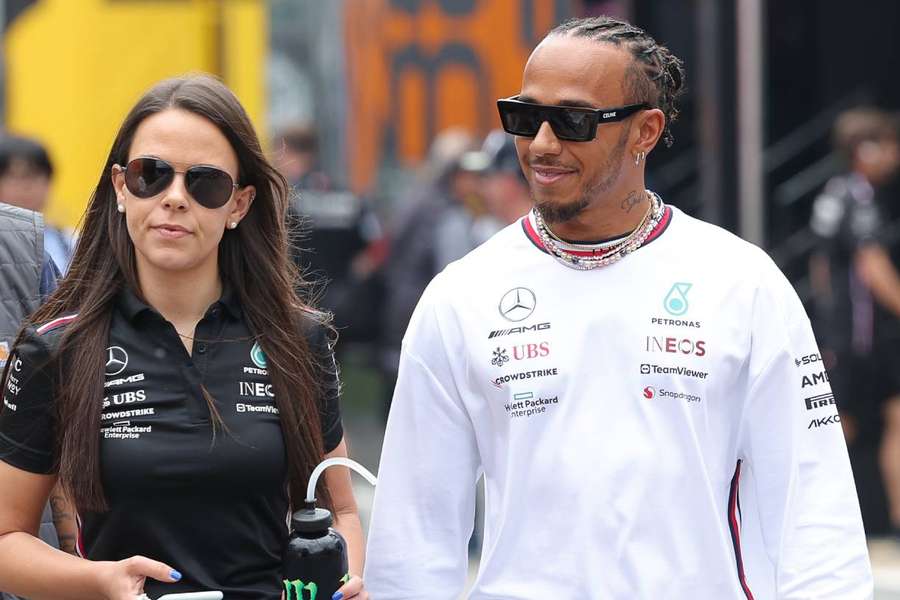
point(174, 386)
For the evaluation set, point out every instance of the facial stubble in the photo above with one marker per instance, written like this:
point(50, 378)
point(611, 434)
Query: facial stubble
point(555, 213)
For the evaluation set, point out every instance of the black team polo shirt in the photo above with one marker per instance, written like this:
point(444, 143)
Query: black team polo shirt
point(214, 507)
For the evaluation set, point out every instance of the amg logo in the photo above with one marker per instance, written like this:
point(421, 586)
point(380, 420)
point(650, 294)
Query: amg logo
point(819, 401)
point(124, 380)
point(816, 423)
point(502, 332)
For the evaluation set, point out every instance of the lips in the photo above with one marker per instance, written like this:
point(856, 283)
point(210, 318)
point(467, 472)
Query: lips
point(547, 175)
point(171, 231)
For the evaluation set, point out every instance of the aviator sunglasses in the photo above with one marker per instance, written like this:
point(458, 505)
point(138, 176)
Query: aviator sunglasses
point(211, 187)
point(571, 123)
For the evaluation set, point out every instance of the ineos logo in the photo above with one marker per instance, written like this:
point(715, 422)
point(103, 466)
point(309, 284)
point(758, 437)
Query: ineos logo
point(116, 360)
point(517, 304)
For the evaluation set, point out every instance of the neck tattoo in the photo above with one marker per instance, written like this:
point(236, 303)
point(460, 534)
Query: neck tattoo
point(631, 200)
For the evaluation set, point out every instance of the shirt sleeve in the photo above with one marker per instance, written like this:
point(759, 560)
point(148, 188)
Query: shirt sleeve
point(791, 438)
point(49, 277)
point(330, 386)
point(425, 498)
point(27, 417)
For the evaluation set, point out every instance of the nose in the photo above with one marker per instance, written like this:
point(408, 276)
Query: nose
point(176, 195)
point(545, 141)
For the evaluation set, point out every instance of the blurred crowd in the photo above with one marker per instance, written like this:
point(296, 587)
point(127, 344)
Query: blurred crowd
point(370, 269)
point(855, 304)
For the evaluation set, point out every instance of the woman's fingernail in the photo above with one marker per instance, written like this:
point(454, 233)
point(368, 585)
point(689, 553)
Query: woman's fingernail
point(175, 575)
point(337, 596)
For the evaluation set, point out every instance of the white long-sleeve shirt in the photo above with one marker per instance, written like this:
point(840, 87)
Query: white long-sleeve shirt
point(659, 428)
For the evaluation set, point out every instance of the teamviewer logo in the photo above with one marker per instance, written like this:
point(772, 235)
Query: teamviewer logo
point(645, 369)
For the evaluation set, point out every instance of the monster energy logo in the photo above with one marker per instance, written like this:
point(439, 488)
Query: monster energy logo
point(297, 590)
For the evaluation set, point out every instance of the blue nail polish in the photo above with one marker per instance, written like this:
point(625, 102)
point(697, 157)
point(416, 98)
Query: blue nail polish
point(337, 596)
point(175, 575)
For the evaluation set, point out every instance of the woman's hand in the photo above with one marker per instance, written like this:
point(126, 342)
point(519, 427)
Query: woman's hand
point(355, 588)
point(124, 580)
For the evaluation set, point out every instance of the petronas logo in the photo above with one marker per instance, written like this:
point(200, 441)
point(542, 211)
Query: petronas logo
point(258, 356)
point(676, 302)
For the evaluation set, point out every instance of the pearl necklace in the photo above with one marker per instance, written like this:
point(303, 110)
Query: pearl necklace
point(612, 253)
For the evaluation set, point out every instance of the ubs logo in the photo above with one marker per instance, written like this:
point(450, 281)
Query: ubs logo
point(116, 360)
point(517, 304)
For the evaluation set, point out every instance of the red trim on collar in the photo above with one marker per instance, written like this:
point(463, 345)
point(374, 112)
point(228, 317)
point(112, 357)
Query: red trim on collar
point(55, 323)
point(536, 239)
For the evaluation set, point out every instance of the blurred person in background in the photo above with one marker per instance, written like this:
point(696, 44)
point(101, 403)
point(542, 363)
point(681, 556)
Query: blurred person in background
point(506, 193)
point(623, 376)
point(336, 238)
point(219, 389)
point(856, 300)
point(421, 243)
point(27, 277)
point(25, 176)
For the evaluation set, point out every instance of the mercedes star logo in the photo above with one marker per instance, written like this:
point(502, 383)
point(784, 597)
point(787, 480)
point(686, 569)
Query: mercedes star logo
point(517, 304)
point(116, 360)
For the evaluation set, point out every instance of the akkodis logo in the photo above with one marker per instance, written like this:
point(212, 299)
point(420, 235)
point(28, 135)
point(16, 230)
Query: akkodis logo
point(649, 392)
point(676, 302)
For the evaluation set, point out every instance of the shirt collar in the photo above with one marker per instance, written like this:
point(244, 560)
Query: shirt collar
point(132, 306)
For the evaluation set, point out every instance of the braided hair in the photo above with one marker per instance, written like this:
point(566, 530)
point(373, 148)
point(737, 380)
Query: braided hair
point(655, 76)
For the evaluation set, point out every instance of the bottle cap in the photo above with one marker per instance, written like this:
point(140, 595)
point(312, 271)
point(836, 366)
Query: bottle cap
point(310, 519)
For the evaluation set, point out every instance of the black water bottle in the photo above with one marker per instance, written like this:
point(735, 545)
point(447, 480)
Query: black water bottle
point(315, 560)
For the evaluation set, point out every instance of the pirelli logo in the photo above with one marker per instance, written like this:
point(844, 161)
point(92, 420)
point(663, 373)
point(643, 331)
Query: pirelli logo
point(819, 401)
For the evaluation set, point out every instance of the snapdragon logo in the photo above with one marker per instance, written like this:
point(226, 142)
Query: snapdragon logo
point(651, 392)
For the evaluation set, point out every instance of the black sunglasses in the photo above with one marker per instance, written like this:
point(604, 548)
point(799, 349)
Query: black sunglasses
point(571, 123)
point(211, 187)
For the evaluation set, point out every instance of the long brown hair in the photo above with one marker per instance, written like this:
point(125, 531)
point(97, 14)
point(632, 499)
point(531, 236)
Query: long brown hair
point(253, 260)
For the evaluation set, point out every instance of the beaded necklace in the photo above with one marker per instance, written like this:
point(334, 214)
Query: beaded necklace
point(612, 253)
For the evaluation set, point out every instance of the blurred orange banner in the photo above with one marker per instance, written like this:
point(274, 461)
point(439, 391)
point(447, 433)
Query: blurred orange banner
point(417, 67)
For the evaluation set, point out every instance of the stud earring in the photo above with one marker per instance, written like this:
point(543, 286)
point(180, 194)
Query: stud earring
point(232, 225)
point(120, 207)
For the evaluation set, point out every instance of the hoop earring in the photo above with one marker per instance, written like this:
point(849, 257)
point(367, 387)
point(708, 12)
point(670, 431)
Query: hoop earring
point(639, 157)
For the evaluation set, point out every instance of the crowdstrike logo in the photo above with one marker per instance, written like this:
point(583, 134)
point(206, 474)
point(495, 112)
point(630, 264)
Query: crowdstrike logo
point(116, 360)
point(517, 304)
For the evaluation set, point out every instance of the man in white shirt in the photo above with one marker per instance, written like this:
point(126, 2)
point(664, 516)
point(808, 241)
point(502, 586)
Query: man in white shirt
point(641, 390)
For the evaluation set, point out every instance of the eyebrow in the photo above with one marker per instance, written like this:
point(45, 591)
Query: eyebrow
point(564, 102)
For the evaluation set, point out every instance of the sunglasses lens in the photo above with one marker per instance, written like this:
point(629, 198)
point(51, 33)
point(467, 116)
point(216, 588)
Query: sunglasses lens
point(520, 119)
point(572, 125)
point(209, 186)
point(146, 177)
